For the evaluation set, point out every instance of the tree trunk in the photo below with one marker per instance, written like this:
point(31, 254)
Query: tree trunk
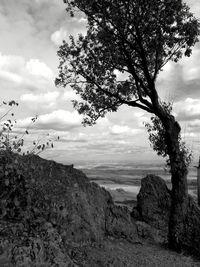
point(179, 173)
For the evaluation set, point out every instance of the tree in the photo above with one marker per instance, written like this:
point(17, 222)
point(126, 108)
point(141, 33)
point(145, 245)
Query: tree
point(136, 38)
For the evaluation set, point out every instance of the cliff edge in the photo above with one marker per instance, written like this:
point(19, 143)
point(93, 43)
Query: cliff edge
point(51, 208)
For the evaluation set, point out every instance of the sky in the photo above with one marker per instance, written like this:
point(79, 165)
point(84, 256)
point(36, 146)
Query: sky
point(31, 32)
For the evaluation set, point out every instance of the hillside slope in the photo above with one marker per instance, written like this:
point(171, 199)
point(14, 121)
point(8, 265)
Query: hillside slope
point(56, 217)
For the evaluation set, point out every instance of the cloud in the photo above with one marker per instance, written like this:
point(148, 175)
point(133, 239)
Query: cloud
point(10, 67)
point(191, 65)
point(34, 22)
point(82, 20)
point(42, 1)
point(181, 80)
point(41, 101)
point(188, 109)
point(37, 68)
point(62, 120)
point(70, 95)
point(122, 129)
point(193, 126)
point(20, 74)
point(74, 26)
point(58, 36)
point(194, 7)
point(11, 63)
point(65, 140)
point(9, 76)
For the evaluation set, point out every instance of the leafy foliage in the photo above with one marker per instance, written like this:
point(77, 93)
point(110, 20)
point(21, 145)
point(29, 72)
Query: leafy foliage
point(132, 38)
point(157, 133)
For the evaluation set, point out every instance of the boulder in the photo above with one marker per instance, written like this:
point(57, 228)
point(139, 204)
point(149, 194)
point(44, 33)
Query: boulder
point(153, 210)
point(154, 201)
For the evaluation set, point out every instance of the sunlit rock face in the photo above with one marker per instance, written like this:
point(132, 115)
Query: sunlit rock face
point(63, 209)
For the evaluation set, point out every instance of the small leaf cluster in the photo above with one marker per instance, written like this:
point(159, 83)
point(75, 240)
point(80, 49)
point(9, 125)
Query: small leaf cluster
point(157, 133)
point(9, 141)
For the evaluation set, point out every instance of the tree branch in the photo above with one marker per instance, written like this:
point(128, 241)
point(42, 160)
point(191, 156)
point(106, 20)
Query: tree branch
point(116, 96)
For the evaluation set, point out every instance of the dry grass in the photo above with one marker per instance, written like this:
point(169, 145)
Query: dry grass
point(115, 253)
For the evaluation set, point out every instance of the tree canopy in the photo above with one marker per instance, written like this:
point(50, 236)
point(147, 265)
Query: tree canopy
point(132, 38)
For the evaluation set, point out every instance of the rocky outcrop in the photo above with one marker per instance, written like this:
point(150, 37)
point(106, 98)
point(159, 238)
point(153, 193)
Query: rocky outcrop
point(63, 209)
point(81, 210)
point(154, 201)
point(153, 210)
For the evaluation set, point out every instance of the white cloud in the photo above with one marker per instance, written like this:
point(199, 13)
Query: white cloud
point(9, 76)
point(37, 68)
point(48, 99)
point(194, 6)
point(10, 67)
point(62, 120)
point(18, 74)
point(58, 36)
point(180, 80)
point(75, 26)
point(122, 129)
point(82, 20)
point(70, 95)
point(194, 123)
point(117, 129)
point(187, 109)
point(191, 66)
point(11, 63)
point(42, 1)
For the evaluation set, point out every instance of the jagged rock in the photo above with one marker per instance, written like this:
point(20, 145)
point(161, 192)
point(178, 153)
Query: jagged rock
point(63, 210)
point(154, 201)
point(70, 202)
point(153, 211)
